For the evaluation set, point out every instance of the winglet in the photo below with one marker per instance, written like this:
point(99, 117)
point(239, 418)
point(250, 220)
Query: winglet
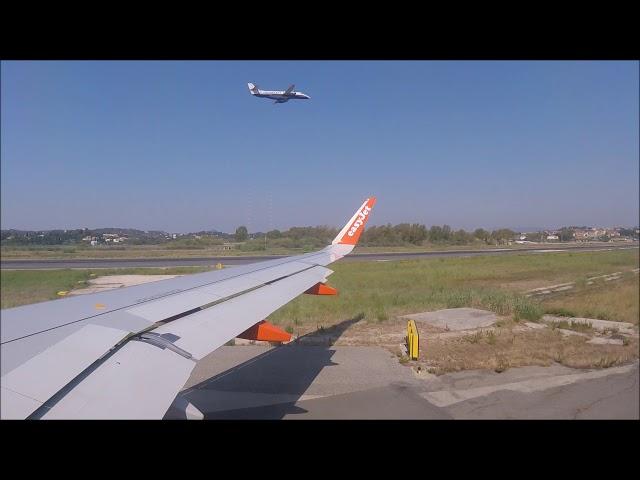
point(351, 232)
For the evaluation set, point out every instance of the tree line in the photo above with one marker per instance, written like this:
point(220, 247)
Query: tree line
point(403, 234)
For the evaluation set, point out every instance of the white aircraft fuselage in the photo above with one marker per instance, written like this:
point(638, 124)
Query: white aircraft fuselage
point(280, 96)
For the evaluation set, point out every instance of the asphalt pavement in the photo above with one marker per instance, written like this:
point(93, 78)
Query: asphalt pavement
point(340, 382)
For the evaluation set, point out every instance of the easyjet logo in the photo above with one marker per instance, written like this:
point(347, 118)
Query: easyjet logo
point(362, 214)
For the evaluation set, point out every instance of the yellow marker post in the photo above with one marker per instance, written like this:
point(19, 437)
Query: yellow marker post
point(413, 340)
point(218, 266)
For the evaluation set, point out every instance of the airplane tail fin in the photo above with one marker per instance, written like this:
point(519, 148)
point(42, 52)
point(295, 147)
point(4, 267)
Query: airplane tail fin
point(253, 88)
point(351, 232)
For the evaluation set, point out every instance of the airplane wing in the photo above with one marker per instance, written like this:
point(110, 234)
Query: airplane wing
point(126, 353)
point(289, 90)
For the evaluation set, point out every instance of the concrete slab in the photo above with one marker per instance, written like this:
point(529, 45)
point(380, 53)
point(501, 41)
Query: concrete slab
point(605, 341)
point(601, 325)
point(528, 326)
point(456, 318)
point(572, 333)
point(535, 326)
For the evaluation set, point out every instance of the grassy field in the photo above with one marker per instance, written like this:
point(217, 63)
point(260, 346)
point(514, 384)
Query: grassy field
point(59, 252)
point(21, 287)
point(374, 294)
point(505, 349)
point(616, 300)
point(127, 252)
point(382, 290)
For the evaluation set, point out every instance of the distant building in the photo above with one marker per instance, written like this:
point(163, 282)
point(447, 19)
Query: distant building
point(551, 235)
point(595, 233)
point(589, 234)
point(579, 234)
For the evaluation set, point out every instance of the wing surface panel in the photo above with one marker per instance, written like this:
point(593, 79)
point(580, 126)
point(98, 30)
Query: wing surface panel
point(143, 379)
point(125, 353)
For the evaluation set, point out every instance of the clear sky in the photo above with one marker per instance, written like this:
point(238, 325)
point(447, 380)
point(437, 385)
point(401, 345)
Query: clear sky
point(183, 146)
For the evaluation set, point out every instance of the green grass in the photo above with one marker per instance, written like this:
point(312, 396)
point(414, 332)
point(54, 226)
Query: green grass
point(386, 289)
point(378, 291)
point(21, 287)
point(203, 248)
point(617, 300)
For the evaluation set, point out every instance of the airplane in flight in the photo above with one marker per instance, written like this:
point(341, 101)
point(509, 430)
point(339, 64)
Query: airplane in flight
point(126, 353)
point(278, 96)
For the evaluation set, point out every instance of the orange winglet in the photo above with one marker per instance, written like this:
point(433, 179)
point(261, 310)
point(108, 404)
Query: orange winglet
point(351, 232)
point(321, 289)
point(266, 332)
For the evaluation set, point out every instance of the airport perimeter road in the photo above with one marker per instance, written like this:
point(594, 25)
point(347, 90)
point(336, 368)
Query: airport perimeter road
point(315, 382)
point(230, 260)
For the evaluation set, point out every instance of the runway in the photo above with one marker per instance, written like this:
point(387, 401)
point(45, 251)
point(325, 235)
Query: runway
point(230, 260)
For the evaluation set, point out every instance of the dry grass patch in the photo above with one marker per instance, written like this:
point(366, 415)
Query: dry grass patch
point(582, 327)
point(383, 290)
point(503, 349)
point(617, 300)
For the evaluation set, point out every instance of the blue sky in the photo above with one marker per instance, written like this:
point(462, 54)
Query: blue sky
point(182, 146)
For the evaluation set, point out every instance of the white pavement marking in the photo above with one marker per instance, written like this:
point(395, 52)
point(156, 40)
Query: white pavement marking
point(444, 398)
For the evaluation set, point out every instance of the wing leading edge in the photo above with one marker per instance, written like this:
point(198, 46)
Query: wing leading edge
point(131, 361)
